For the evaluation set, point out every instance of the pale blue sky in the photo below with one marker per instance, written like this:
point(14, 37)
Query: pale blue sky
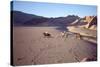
point(54, 9)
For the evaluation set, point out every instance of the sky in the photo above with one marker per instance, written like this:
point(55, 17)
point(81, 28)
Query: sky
point(54, 9)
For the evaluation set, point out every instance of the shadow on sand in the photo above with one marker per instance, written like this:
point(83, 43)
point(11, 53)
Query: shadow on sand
point(62, 28)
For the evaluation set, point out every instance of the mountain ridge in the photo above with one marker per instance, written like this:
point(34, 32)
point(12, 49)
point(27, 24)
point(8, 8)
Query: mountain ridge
point(24, 19)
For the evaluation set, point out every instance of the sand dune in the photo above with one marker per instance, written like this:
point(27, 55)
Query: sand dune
point(31, 47)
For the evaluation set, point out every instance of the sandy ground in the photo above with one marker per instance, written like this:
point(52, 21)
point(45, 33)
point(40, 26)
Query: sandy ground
point(83, 31)
point(31, 47)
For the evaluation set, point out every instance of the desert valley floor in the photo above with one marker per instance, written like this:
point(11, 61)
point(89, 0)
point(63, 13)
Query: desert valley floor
point(31, 47)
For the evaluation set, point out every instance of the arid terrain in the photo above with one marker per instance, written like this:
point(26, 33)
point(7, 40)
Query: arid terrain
point(31, 47)
point(43, 40)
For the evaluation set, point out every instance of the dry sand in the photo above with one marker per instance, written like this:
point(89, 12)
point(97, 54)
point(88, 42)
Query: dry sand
point(31, 47)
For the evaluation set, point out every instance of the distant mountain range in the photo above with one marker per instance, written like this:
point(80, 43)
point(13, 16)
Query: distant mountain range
point(19, 18)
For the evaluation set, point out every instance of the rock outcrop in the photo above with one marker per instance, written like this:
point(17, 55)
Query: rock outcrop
point(91, 22)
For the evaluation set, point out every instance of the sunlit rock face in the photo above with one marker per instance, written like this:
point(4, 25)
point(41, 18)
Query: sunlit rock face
point(91, 22)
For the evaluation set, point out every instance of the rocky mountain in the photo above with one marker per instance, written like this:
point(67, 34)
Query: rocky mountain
point(63, 21)
point(24, 19)
point(91, 22)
